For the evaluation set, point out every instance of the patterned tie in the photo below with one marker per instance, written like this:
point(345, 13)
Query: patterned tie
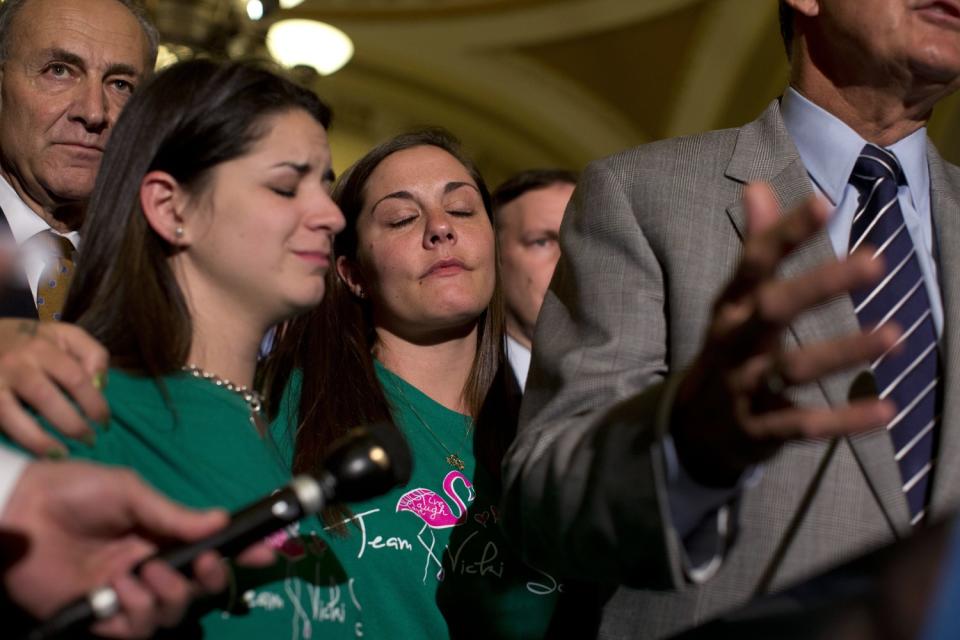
point(57, 273)
point(910, 378)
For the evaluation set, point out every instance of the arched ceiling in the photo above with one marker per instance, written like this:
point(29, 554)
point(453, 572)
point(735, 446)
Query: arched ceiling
point(407, 8)
point(554, 82)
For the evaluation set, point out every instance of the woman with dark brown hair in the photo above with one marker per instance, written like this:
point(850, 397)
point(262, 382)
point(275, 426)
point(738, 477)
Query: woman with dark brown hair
point(412, 330)
point(210, 222)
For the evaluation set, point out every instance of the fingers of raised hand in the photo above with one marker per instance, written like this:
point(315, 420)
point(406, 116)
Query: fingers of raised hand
point(812, 362)
point(778, 302)
point(761, 208)
point(753, 326)
point(769, 375)
point(773, 419)
point(771, 237)
point(768, 243)
point(796, 423)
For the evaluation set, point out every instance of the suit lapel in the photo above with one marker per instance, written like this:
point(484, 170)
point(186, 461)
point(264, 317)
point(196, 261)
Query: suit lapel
point(946, 221)
point(16, 300)
point(768, 138)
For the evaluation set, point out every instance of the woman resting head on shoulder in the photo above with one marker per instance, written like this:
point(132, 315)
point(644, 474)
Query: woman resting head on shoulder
point(211, 221)
point(412, 331)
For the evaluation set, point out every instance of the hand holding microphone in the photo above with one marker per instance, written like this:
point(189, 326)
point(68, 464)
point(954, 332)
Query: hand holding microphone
point(73, 524)
point(368, 462)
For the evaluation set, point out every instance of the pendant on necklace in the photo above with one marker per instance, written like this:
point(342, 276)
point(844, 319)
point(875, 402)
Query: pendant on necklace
point(455, 461)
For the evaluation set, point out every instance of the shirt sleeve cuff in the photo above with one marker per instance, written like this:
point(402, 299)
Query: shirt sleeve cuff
point(703, 517)
point(12, 464)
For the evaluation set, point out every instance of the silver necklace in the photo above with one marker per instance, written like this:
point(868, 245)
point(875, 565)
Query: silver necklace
point(453, 457)
point(251, 397)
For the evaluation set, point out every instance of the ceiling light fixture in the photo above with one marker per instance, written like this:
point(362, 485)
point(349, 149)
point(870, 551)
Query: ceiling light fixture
point(309, 43)
point(254, 10)
point(257, 9)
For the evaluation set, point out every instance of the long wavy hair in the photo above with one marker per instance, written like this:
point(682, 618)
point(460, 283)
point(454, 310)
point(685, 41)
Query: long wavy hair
point(332, 345)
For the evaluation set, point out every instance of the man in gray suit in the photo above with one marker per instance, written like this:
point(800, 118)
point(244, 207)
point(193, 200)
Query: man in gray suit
point(701, 420)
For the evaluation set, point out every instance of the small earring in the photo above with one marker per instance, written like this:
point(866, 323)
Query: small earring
point(361, 293)
point(178, 232)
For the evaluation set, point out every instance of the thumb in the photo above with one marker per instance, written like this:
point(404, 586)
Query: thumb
point(761, 207)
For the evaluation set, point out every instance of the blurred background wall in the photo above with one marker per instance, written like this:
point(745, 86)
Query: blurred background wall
point(526, 82)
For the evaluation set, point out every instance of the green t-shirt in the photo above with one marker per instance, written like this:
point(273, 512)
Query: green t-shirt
point(207, 453)
point(428, 560)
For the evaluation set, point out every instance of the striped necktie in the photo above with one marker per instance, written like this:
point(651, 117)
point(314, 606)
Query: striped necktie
point(58, 253)
point(909, 378)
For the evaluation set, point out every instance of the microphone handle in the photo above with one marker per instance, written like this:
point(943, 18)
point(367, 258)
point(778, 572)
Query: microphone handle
point(247, 526)
point(304, 496)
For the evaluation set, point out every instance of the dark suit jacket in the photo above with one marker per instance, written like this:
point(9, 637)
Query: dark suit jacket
point(16, 301)
point(651, 237)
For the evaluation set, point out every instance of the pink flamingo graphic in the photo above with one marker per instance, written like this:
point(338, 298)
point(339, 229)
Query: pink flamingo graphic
point(435, 513)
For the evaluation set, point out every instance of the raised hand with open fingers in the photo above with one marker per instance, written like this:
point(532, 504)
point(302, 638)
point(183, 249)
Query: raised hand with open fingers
point(730, 410)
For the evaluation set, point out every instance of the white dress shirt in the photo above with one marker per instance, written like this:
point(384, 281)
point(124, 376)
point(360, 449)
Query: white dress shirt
point(12, 465)
point(829, 149)
point(519, 357)
point(25, 224)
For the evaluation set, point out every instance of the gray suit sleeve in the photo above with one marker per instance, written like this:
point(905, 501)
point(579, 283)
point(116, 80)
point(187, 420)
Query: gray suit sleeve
point(584, 480)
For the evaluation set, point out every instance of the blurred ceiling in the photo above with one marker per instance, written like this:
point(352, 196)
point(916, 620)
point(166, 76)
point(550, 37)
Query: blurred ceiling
point(538, 82)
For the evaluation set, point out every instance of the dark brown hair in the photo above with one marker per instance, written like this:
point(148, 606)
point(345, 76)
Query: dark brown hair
point(529, 180)
point(332, 345)
point(185, 121)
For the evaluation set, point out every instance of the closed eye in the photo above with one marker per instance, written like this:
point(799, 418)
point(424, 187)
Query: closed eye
point(402, 223)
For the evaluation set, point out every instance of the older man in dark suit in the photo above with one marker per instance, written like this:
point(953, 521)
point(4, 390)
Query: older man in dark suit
point(68, 67)
point(719, 406)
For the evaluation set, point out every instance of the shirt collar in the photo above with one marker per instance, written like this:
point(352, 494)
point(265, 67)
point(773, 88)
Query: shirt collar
point(519, 357)
point(912, 154)
point(829, 149)
point(24, 222)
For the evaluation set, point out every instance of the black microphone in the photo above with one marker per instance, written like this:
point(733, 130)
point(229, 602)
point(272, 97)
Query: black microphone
point(367, 462)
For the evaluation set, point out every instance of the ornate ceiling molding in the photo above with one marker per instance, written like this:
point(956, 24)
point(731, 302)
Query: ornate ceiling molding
point(539, 82)
point(390, 9)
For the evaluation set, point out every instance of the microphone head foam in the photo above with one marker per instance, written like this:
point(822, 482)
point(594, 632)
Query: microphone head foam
point(395, 446)
point(367, 462)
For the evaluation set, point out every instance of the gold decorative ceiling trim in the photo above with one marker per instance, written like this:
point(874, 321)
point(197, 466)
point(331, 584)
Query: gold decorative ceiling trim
point(526, 23)
point(722, 58)
point(411, 9)
point(418, 88)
